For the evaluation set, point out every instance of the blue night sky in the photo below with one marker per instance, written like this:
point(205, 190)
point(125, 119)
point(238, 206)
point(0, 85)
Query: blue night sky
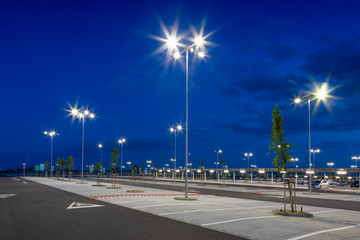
point(100, 54)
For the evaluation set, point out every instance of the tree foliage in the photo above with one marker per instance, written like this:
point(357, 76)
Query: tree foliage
point(278, 142)
point(98, 166)
point(70, 163)
point(114, 159)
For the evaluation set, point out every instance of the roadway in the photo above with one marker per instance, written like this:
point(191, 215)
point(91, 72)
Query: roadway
point(37, 211)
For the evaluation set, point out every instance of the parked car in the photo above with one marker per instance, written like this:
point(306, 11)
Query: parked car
point(332, 182)
point(342, 183)
point(354, 184)
point(303, 181)
point(320, 184)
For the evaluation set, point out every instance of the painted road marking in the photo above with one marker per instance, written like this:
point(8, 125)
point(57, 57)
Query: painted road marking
point(16, 179)
point(236, 220)
point(339, 210)
point(323, 231)
point(25, 182)
point(76, 205)
point(213, 209)
point(160, 205)
point(6, 195)
point(144, 195)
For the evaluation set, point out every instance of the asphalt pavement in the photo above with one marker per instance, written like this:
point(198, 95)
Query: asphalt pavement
point(37, 211)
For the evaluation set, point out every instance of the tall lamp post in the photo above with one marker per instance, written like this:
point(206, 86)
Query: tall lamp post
point(321, 94)
point(172, 44)
point(315, 151)
point(218, 152)
point(295, 160)
point(356, 158)
point(121, 142)
point(51, 135)
point(248, 155)
point(100, 147)
point(82, 114)
point(178, 128)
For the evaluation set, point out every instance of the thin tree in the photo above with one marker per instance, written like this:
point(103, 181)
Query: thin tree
point(58, 165)
point(281, 149)
point(98, 167)
point(223, 168)
point(113, 164)
point(46, 168)
point(143, 170)
point(63, 167)
point(202, 169)
point(70, 165)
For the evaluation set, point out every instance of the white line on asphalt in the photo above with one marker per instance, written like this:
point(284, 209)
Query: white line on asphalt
point(339, 210)
point(323, 231)
point(350, 199)
point(160, 205)
point(236, 220)
point(25, 182)
point(212, 209)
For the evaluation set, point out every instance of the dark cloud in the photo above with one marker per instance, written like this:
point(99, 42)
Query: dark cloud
point(282, 50)
point(340, 60)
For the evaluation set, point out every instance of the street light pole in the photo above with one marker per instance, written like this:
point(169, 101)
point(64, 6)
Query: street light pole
point(51, 134)
point(321, 94)
point(187, 124)
point(82, 114)
point(171, 43)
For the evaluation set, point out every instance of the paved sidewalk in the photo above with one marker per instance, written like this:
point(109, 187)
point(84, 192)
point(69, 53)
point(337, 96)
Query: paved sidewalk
point(245, 218)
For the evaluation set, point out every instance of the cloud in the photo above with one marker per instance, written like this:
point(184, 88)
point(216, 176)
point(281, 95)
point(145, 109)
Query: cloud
point(281, 50)
point(341, 60)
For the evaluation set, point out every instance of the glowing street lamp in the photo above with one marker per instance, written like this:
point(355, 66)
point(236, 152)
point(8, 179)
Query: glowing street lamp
point(51, 135)
point(121, 141)
point(197, 46)
point(100, 146)
point(321, 94)
point(315, 151)
point(294, 160)
point(248, 155)
point(174, 130)
point(218, 152)
point(330, 164)
point(82, 114)
point(356, 158)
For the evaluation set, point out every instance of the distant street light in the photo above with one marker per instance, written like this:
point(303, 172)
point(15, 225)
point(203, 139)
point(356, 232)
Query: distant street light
point(248, 155)
point(178, 128)
point(294, 160)
point(51, 135)
point(330, 164)
point(82, 114)
point(121, 142)
point(315, 151)
point(100, 147)
point(321, 94)
point(218, 152)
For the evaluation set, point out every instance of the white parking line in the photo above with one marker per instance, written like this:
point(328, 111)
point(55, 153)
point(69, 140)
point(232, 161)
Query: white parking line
point(323, 231)
point(339, 210)
point(160, 205)
point(212, 209)
point(236, 220)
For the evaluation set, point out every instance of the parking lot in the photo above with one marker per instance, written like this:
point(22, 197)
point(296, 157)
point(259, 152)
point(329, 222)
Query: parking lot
point(241, 217)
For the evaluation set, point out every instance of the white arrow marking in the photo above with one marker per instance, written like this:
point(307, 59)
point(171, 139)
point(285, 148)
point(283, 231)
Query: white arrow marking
point(76, 205)
point(6, 195)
